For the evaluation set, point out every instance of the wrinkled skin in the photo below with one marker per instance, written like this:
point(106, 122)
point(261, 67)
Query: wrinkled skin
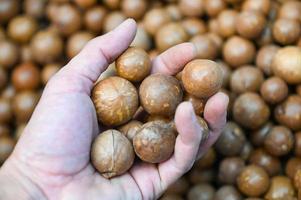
point(52, 157)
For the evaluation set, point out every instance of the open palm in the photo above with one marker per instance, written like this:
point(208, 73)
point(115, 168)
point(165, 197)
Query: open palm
point(53, 153)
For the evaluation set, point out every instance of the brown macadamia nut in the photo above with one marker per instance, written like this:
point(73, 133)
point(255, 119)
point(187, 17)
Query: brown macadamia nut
point(22, 28)
point(253, 181)
point(258, 136)
point(214, 7)
point(290, 10)
point(84, 4)
point(281, 188)
point(194, 26)
point(26, 77)
point(293, 165)
point(154, 19)
point(134, 8)
point(46, 46)
point(205, 47)
point(202, 78)
point(265, 160)
point(288, 113)
point(134, 64)
point(9, 54)
point(197, 103)
point(35, 8)
point(246, 79)
point(112, 153)
point(201, 191)
point(238, 51)
point(155, 142)
point(226, 23)
point(279, 141)
point(112, 4)
point(170, 35)
point(142, 38)
point(112, 20)
point(231, 140)
point(9, 8)
point(227, 192)
point(180, 187)
point(229, 169)
point(130, 129)
point(286, 31)
point(286, 64)
point(250, 24)
point(76, 43)
point(250, 110)
point(115, 100)
point(174, 12)
point(274, 90)
point(94, 18)
point(48, 71)
point(264, 58)
point(160, 94)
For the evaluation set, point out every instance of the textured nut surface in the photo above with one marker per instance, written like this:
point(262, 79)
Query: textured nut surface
point(155, 142)
point(160, 94)
point(112, 153)
point(202, 78)
point(115, 100)
point(130, 129)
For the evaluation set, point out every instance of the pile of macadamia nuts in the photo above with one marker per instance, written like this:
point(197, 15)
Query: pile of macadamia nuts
point(252, 49)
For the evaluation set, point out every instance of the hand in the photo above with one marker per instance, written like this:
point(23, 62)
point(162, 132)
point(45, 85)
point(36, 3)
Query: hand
point(52, 158)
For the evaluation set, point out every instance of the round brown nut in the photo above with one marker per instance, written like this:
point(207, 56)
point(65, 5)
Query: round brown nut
point(180, 187)
point(112, 153)
point(192, 8)
point(231, 140)
point(286, 64)
point(48, 71)
point(8, 10)
point(253, 181)
point(174, 12)
point(130, 129)
point(227, 192)
point(286, 31)
point(279, 141)
point(265, 57)
point(262, 6)
point(76, 43)
point(258, 136)
point(297, 149)
point(214, 7)
point(205, 47)
point(155, 142)
point(112, 4)
point(94, 18)
point(292, 166)
point(112, 20)
point(154, 19)
point(229, 169)
point(207, 160)
point(5, 111)
point(226, 22)
point(9, 54)
point(281, 188)
point(134, 64)
point(226, 70)
point(35, 8)
point(246, 79)
point(274, 90)
point(194, 26)
point(134, 8)
point(22, 28)
point(250, 110)
point(290, 10)
point(246, 151)
point(24, 104)
point(265, 160)
point(26, 76)
point(160, 94)
point(202, 78)
point(288, 113)
point(115, 100)
point(238, 51)
point(46, 46)
point(201, 191)
point(170, 35)
point(67, 19)
point(198, 104)
point(6, 147)
point(250, 24)
point(142, 38)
